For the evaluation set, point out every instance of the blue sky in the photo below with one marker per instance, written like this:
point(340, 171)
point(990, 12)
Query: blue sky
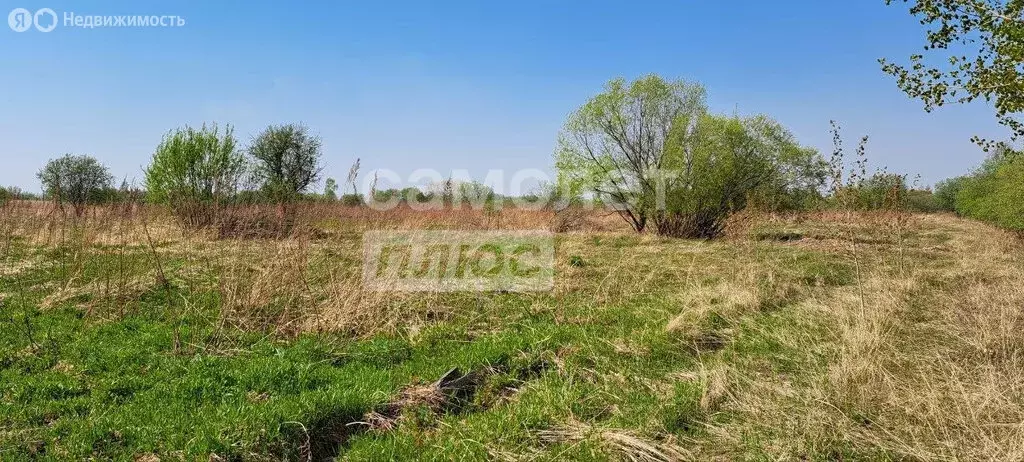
point(473, 85)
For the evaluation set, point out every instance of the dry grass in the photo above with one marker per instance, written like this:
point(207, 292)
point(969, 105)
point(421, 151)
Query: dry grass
point(624, 444)
point(924, 352)
point(921, 357)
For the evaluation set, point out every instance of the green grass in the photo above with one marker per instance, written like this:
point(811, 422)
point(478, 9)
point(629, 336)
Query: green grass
point(156, 371)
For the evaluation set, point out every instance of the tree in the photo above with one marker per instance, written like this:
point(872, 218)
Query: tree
point(717, 165)
point(195, 172)
point(614, 145)
point(979, 43)
point(287, 160)
point(331, 190)
point(76, 180)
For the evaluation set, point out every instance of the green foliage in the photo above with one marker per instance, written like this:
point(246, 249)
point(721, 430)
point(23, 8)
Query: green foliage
point(615, 144)
point(925, 201)
point(75, 180)
point(650, 150)
point(947, 191)
point(8, 194)
point(855, 189)
point(994, 192)
point(986, 64)
point(724, 163)
point(786, 175)
point(287, 160)
point(331, 190)
point(882, 191)
point(195, 172)
point(352, 200)
point(476, 193)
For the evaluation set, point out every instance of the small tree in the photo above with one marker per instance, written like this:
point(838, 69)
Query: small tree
point(195, 172)
point(8, 194)
point(331, 190)
point(287, 161)
point(75, 180)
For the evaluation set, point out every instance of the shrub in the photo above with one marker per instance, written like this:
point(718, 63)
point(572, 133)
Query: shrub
point(882, 191)
point(924, 200)
point(613, 144)
point(946, 192)
point(75, 180)
point(195, 172)
point(722, 163)
point(330, 190)
point(994, 192)
point(352, 199)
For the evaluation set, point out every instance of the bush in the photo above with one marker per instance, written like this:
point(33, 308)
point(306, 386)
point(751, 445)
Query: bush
point(196, 172)
point(75, 180)
point(6, 195)
point(947, 191)
point(995, 192)
point(882, 191)
point(722, 164)
point(923, 200)
point(352, 200)
point(651, 149)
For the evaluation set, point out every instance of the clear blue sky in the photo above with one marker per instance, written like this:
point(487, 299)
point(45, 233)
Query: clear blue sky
point(471, 85)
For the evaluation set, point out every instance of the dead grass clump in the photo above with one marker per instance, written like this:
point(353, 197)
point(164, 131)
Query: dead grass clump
point(349, 308)
point(708, 308)
point(625, 444)
point(568, 219)
point(705, 306)
point(451, 392)
point(271, 293)
point(716, 384)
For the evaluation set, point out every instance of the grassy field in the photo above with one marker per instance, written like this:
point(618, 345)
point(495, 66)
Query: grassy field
point(824, 337)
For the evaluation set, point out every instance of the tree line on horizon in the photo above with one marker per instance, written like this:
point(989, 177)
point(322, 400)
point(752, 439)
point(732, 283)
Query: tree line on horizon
point(609, 154)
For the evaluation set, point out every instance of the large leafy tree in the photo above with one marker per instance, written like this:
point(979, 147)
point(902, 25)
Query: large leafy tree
point(287, 160)
point(195, 171)
point(650, 149)
point(614, 145)
point(976, 51)
point(75, 180)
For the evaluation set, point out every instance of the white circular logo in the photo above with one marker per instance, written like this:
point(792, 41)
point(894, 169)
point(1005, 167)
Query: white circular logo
point(52, 23)
point(20, 19)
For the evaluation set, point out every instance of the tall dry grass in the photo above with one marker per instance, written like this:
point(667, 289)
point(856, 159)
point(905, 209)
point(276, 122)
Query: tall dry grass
point(923, 354)
point(283, 278)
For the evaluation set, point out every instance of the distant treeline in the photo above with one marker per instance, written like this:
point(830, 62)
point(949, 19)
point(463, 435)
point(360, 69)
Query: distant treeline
point(649, 150)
